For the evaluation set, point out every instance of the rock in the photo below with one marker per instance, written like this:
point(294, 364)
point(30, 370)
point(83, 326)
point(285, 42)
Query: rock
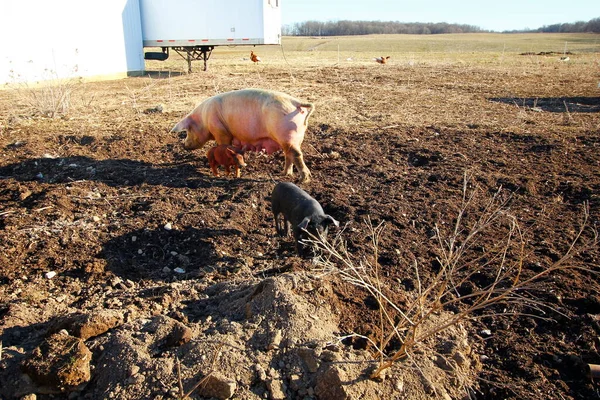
point(154, 110)
point(310, 359)
point(461, 360)
point(296, 383)
point(134, 370)
point(50, 274)
point(168, 226)
point(61, 362)
point(180, 334)
point(276, 389)
point(330, 385)
point(31, 396)
point(85, 326)
point(217, 386)
point(275, 340)
point(261, 374)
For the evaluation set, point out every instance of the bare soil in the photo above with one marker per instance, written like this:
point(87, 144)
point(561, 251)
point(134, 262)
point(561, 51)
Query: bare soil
point(193, 275)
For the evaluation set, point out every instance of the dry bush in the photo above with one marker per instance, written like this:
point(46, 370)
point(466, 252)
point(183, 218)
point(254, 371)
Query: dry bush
point(50, 97)
point(450, 296)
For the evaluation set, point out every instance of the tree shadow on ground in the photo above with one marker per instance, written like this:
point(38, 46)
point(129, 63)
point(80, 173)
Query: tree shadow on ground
point(115, 173)
point(553, 104)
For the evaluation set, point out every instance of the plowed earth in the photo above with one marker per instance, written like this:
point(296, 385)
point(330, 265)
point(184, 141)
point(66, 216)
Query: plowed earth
point(104, 196)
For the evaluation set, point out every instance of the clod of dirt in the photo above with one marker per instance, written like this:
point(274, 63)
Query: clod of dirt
point(62, 362)
point(217, 386)
point(330, 385)
point(88, 325)
point(180, 334)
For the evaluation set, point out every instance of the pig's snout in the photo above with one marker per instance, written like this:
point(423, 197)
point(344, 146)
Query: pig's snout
point(191, 143)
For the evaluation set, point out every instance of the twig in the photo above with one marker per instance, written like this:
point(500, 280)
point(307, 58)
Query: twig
point(180, 383)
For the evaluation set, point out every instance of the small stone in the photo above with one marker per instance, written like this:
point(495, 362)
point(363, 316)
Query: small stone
point(50, 274)
point(276, 389)
point(134, 370)
point(168, 226)
point(275, 340)
point(133, 238)
point(180, 335)
point(166, 270)
point(310, 359)
point(486, 332)
point(217, 386)
point(179, 270)
point(139, 378)
point(260, 373)
point(460, 359)
point(96, 218)
point(483, 358)
point(330, 385)
point(295, 382)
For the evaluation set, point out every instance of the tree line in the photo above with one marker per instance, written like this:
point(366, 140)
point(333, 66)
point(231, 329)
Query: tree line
point(346, 28)
point(592, 25)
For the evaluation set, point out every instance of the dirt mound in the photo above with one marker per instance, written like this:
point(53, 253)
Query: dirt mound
point(273, 337)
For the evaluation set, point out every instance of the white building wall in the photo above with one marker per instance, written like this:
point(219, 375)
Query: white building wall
point(61, 39)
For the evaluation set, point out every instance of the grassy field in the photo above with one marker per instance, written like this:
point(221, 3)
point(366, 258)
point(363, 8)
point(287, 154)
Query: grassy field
point(403, 49)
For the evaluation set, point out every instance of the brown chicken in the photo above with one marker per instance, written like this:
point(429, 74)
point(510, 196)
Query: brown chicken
point(254, 57)
point(382, 59)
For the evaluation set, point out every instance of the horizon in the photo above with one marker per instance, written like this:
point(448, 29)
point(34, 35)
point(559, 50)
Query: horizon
point(512, 15)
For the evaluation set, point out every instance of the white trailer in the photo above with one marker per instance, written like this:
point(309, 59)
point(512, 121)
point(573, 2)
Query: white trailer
point(65, 39)
point(192, 28)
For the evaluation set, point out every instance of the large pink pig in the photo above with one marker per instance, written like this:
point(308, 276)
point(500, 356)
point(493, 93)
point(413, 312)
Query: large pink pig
point(254, 119)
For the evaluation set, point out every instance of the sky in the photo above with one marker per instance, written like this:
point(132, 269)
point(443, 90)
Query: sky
point(498, 15)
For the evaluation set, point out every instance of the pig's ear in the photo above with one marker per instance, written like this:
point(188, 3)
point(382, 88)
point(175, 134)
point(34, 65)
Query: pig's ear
point(182, 125)
point(330, 220)
point(230, 151)
point(304, 223)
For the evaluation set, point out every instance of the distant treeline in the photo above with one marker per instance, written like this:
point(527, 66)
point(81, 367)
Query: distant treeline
point(345, 28)
point(592, 25)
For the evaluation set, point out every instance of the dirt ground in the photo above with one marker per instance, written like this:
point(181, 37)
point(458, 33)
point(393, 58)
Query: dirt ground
point(165, 274)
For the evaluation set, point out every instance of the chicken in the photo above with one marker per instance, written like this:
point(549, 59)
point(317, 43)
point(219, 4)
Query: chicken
point(254, 57)
point(382, 59)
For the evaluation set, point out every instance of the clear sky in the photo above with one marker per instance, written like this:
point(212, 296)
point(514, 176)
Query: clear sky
point(498, 15)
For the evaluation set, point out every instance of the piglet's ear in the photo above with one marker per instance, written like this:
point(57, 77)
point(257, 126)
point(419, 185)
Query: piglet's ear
point(330, 220)
point(304, 223)
point(182, 125)
point(230, 151)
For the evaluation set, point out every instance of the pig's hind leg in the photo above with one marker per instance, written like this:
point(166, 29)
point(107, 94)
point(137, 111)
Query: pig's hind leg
point(213, 167)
